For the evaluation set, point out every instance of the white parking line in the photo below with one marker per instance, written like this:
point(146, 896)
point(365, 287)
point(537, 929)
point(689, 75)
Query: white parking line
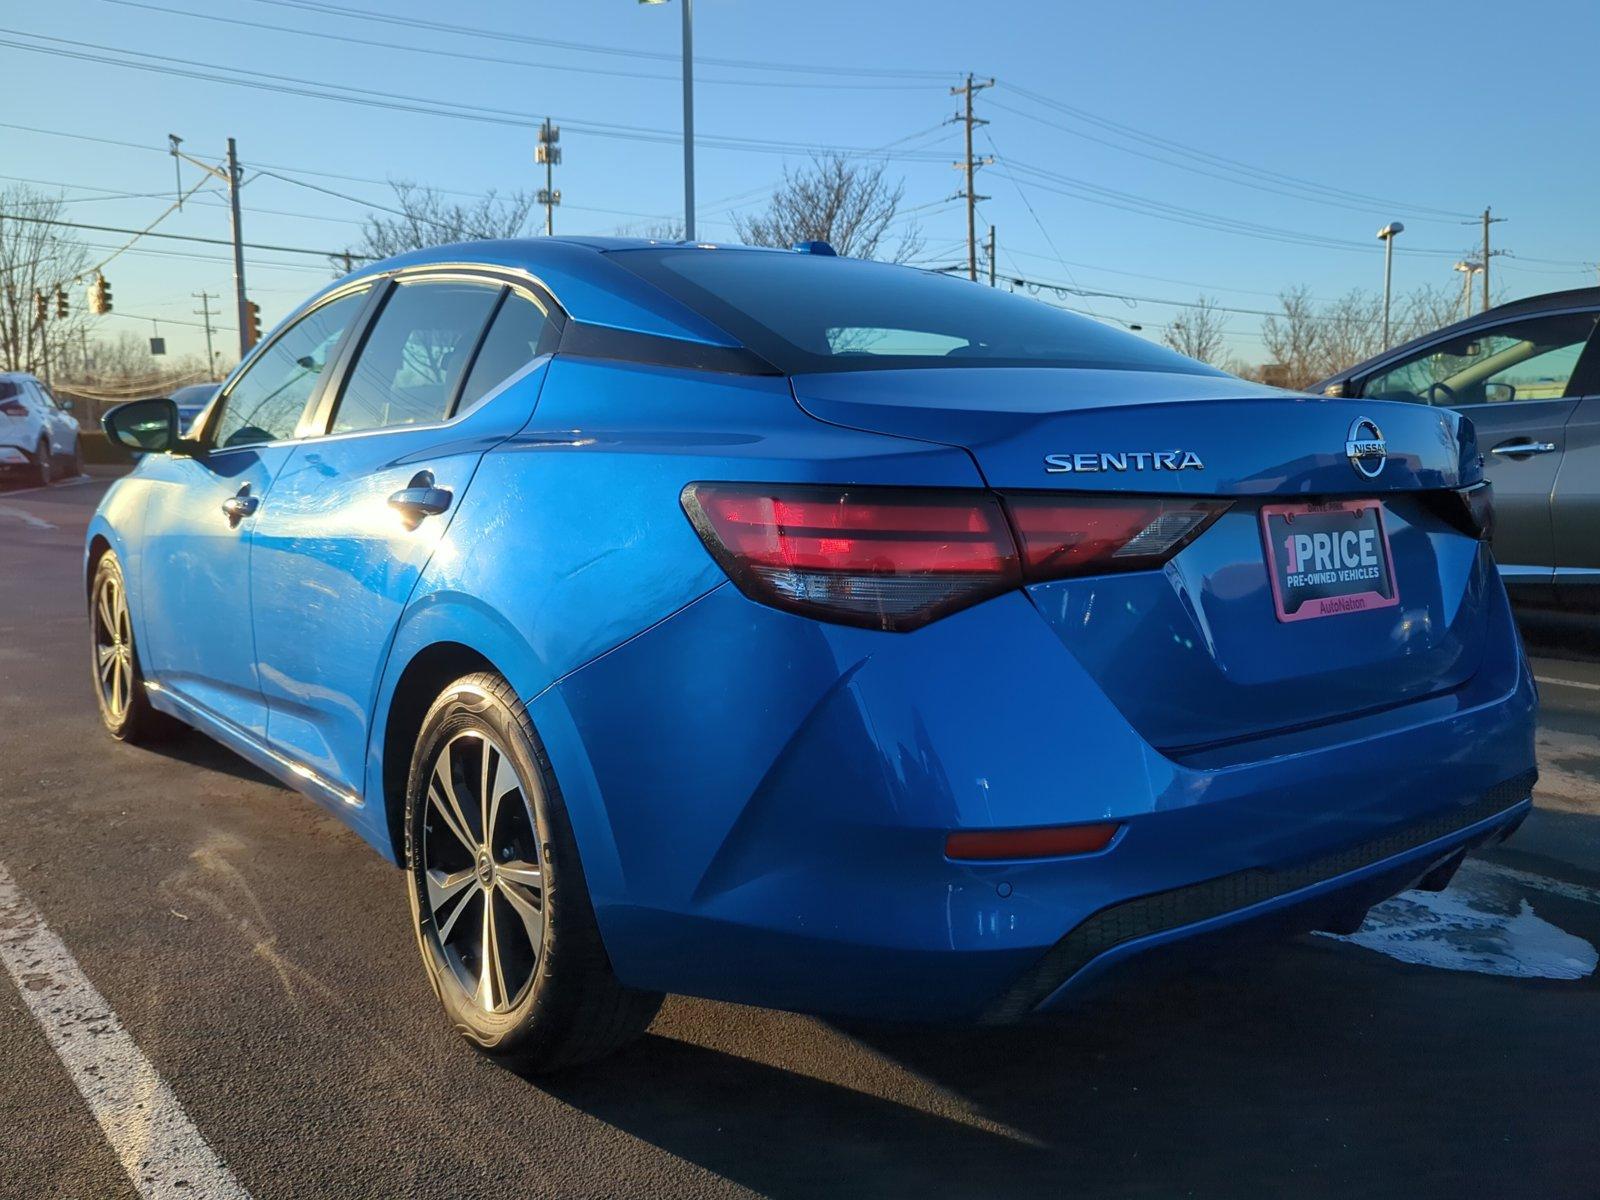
point(160, 1149)
point(1571, 683)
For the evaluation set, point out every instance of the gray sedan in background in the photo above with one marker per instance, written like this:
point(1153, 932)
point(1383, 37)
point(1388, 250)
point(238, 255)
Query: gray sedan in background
point(1528, 374)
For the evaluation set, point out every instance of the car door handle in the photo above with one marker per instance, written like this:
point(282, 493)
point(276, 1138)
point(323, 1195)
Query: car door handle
point(240, 505)
point(1513, 449)
point(420, 499)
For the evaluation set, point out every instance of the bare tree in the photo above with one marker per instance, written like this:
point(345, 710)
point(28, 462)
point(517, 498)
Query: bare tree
point(846, 203)
point(1293, 338)
point(35, 259)
point(424, 217)
point(655, 231)
point(1198, 332)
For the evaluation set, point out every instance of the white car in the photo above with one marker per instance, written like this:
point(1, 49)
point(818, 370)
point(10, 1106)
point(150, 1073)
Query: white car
point(38, 436)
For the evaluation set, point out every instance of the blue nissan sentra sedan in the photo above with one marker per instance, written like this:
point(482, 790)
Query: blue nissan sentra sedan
point(811, 632)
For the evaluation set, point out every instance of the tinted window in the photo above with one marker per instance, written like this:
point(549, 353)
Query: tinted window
point(1530, 359)
point(9, 389)
point(265, 402)
point(415, 355)
point(804, 312)
point(514, 340)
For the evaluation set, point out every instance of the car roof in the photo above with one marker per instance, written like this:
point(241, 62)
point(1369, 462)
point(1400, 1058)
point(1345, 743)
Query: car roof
point(580, 274)
point(1584, 297)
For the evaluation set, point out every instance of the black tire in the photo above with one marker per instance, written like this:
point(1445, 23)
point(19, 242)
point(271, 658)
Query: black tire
point(125, 710)
point(548, 998)
point(43, 465)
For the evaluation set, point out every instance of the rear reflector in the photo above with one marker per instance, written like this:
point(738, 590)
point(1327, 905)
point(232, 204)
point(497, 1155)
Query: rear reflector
point(885, 558)
point(1091, 535)
point(1053, 842)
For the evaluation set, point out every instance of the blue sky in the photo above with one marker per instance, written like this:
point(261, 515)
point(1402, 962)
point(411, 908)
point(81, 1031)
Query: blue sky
point(1292, 119)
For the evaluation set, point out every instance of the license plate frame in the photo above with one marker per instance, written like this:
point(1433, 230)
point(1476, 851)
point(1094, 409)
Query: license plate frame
point(1323, 519)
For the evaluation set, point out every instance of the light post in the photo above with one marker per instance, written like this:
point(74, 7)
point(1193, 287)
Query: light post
point(1467, 268)
point(688, 114)
point(1386, 235)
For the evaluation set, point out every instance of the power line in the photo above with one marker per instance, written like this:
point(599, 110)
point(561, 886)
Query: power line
point(399, 102)
point(178, 237)
point(1262, 173)
point(437, 51)
point(505, 35)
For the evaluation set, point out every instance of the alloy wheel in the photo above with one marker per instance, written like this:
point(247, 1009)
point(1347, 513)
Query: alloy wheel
point(485, 885)
point(113, 646)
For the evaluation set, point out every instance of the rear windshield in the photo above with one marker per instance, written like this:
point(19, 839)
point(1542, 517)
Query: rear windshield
point(805, 313)
point(9, 389)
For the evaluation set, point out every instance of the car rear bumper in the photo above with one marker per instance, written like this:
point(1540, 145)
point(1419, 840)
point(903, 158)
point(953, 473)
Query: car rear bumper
point(762, 801)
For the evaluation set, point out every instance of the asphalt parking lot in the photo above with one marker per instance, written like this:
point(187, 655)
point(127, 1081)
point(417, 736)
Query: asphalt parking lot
point(259, 957)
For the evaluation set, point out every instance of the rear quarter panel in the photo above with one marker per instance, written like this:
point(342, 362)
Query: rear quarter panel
point(571, 540)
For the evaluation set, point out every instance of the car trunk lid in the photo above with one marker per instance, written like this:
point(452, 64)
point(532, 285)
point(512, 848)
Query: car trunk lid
point(1195, 652)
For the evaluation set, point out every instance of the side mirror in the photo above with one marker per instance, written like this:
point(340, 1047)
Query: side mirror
point(143, 426)
point(1499, 393)
point(65, 403)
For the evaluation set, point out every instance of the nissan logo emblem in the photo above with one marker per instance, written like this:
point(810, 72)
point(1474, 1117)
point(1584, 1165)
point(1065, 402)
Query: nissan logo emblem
point(1365, 448)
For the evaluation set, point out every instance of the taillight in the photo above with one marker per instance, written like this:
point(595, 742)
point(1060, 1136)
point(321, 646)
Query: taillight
point(884, 558)
point(13, 408)
point(1092, 535)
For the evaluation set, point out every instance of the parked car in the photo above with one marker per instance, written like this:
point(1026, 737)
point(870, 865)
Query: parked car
point(192, 401)
point(38, 435)
point(811, 632)
point(1528, 374)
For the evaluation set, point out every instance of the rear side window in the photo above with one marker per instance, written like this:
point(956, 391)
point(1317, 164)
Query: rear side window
point(520, 333)
point(806, 313)
point(415, 356)
point(266, 402)
point(9, 390)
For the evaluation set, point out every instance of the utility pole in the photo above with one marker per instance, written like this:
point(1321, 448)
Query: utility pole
point(688, 120)
point(549, 153)
point(204, 311)
point(991, 256)
point(238, 250)
point(970, 166)
point(230, 174)
point(1487, 254)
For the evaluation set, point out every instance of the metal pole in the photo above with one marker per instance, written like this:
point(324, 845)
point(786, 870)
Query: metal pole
point(549, 185)
point(205, 314)
point(688, 120)
point(991, 256)
point(1388, 277)
point(972, 203)
point(1486, 260)
point(238, 250)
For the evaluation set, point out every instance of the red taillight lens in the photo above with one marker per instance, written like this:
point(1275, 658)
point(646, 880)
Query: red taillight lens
point(884, 558)
point(1091, 535)
point(1057, 841)
point(13, 408)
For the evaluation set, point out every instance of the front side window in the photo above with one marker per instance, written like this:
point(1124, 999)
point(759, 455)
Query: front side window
point(1532, 359)
point(266, 402)
point(520, 333)
point(407, 372)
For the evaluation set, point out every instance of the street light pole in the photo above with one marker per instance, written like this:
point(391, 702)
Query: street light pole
point(688, 115)
point(1387, 235)
point(1467, 269)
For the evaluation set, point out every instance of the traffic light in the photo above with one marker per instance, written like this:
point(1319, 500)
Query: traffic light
point(253, 312)
point(41, 309)
point(100, 296)
point(61, 304)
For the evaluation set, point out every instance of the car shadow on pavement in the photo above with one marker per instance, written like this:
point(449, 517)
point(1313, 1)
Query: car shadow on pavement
point(195, 749)
point(1309, 1069)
